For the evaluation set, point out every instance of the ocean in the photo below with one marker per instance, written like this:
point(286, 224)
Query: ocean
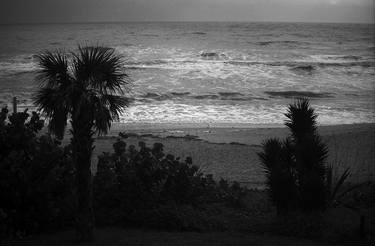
point(223, 74)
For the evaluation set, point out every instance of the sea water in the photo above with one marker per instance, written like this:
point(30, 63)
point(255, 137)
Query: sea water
point(213, 73)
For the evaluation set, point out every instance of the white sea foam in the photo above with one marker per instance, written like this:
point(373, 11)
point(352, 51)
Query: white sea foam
point(16, 67)
point(256, 114)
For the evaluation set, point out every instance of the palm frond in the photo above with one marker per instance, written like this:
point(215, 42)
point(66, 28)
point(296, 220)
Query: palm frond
point(271, 155)
point(52, 101)
point(116, 105)
point(344, 176)
point(329, 181)
point(53, 68)
point(106, 108)
point(351, 188)
point(276, 162)
point(301, 118)
point(316, 154)
point(101, 68)
point(288, 153)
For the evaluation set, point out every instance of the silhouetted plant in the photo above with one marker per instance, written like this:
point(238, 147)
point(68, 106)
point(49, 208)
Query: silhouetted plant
point(36, 176)
point(310, 155)
point(296, 168)
point(132, 183)
point(301, 119)
point(278, 164)
point(87, 89)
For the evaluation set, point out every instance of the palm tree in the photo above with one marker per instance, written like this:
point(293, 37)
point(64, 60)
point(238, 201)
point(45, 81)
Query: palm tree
point(296, 169)
point(85, 87)
point(310, 153)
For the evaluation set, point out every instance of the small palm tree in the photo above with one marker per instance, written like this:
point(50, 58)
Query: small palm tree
point(87, 88)
point(296, 169)
point(310, 154)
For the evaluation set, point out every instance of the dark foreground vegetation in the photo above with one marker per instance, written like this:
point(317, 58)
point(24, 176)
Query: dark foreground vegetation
point(167, 192)
point(142, 187)
point(137, 237)
point(134, 187)
point(298, 175)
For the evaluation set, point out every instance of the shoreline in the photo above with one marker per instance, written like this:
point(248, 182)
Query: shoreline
point(241, 133)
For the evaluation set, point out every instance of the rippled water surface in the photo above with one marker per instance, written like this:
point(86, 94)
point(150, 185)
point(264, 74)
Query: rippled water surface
point(214, 72)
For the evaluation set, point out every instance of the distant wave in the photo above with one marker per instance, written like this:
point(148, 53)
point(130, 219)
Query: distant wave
point(302, 35)
point(151, 62)
point(213, 56)
point(279, 42)
point(156, 96)
point(55, 43)
point(149, 35)
point(304, 63)
point(303, 68)
point(234, 96)
point(345, 57)
point(127, 44)
point(295, 94)
point(194, 33)
point(145, 64)
point(180, 94)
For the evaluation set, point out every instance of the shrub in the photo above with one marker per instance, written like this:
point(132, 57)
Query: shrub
point(132, 183)
point(36, 176)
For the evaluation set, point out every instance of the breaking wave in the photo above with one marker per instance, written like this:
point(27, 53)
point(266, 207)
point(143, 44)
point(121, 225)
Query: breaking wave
point(296, 94)
point(234, 96)
point(280, 42)
point(213, 57)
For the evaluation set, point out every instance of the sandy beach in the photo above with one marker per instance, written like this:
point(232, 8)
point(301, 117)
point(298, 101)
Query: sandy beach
point(231, 152)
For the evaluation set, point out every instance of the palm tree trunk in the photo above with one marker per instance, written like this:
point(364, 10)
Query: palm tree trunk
point(82, 144)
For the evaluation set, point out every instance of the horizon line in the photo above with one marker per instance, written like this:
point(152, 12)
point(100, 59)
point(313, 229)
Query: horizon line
point(155, 21)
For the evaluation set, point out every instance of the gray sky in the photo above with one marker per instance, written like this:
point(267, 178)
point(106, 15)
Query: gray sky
point(12, 11)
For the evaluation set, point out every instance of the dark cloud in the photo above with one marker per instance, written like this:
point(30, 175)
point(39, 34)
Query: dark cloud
point(186, 10)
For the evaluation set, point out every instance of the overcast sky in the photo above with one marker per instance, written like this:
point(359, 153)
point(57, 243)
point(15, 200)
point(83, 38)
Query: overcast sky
point(15, 11)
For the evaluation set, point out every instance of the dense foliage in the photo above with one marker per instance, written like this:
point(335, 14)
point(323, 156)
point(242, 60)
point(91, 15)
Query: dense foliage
point(36, 177)
point(135, 187)
point(147, 187)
